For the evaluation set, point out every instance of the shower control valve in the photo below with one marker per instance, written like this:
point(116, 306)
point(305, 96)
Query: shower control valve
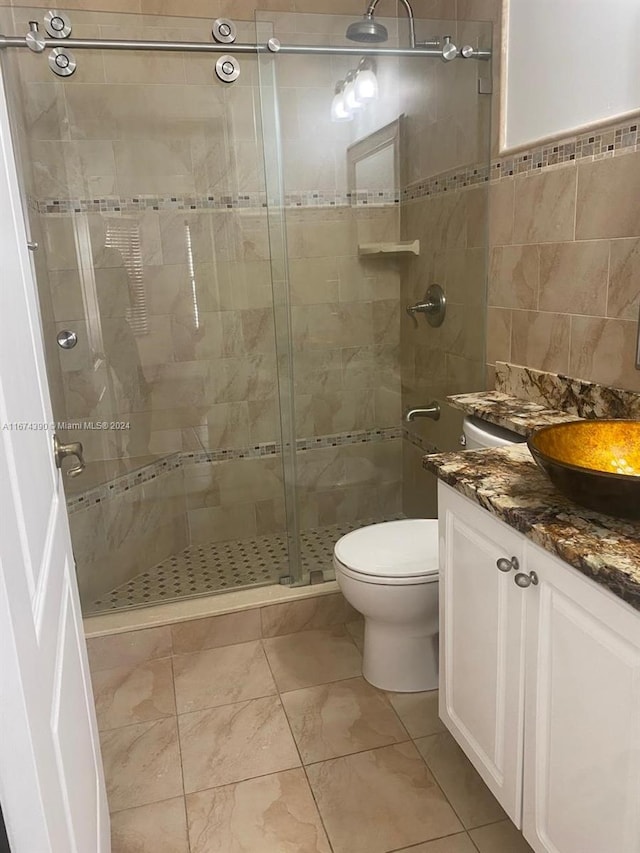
point(434, 307)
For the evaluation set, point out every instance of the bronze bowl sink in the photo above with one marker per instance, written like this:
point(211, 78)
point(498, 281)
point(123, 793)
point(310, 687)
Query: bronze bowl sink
point(594, 463)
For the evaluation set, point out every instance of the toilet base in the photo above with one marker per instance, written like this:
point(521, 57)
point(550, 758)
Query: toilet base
point(399, 659)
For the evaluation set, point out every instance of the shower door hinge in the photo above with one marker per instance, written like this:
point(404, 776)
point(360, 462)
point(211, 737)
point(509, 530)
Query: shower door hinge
point(485, 86)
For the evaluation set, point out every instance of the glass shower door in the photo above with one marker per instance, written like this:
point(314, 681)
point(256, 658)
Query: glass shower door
point(145, 181)
point(354, 190)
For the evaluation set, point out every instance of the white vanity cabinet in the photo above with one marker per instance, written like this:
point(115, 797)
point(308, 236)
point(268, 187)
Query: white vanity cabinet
point(540, 685)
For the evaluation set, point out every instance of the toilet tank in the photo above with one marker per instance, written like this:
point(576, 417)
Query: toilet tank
point(478, 434)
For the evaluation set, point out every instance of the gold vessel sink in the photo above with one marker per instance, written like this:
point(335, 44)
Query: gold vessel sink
point(594, 463)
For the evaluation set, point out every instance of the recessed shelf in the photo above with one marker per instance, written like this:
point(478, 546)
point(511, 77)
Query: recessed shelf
point(406, 247)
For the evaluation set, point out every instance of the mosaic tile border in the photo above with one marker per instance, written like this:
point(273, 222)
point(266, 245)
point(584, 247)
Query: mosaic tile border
point(243, 201)
point(178, 460)
point(594, 145)
point(455, 179)
point(611, 141)
point(124, 483)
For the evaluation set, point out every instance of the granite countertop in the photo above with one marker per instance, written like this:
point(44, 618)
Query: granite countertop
point(505, 410)
point(508, 483)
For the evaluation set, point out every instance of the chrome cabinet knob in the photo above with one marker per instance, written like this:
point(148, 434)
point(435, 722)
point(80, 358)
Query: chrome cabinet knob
point(508, 565)
point(61, 451)
point(524, 581)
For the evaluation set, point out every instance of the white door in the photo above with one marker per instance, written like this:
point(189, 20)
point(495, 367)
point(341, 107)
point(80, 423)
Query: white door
point(582, 737)
point(51, 781)
point(482, 644)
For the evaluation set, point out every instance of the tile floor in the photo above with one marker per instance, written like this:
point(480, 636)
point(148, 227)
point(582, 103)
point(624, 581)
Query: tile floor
point(221, 566)
point(279, 746)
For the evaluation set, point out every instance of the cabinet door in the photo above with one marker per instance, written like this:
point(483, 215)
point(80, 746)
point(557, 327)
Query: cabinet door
point(582, 736)
point(482, 644)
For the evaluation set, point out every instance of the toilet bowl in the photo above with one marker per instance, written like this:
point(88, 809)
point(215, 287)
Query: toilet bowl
point(389, 573)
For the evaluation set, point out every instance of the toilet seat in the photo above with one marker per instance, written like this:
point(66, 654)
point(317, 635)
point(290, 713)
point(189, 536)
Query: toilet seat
point(392, 553)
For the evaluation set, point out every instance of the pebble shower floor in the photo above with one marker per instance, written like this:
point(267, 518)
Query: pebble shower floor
point(223, 566)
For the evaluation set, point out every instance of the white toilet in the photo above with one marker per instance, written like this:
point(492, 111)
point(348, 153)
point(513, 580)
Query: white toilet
point(389, 573)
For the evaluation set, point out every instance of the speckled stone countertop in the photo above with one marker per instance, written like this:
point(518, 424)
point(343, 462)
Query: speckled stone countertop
point(508, 411)
point(508, 483)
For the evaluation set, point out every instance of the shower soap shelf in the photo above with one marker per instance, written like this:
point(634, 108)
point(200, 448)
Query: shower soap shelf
point(405, 247)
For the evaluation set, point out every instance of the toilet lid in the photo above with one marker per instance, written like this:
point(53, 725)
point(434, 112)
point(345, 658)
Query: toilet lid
point(393, 549)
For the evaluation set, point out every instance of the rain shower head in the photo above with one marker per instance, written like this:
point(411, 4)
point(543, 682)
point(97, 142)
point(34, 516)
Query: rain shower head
point(367, 30)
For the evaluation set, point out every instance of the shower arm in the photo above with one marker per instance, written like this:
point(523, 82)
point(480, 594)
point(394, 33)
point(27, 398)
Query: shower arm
point(412, 25)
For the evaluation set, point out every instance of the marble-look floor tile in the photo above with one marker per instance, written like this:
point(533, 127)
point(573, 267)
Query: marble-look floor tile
point(128, 648)
point(126, 695)
point(418, 712)
point(380, 800)
point(305, 615)
point(312, 657)
point(228, 629)
point(340, 718)
point(458, 843)
point(500, 837)
point(355, 627)
point(474, 803)
point(222, 676)
point(272, 814)
point(156, 828)
point(235, 742)
point(141, 764)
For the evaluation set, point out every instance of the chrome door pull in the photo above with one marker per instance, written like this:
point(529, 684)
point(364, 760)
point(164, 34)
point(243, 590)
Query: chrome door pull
point(61, 451)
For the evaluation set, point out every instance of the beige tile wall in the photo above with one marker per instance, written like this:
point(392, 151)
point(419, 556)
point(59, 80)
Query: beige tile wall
point(564, 271)
point(448, 359)
point(564, 283)
point(204, 502)
point(116, 539)
point(201, 370)
point(446, 125)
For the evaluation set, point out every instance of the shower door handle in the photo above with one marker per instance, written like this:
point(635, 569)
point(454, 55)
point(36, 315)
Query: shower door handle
point(61, 451)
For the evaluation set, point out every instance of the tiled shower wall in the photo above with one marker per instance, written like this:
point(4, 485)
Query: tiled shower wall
point(444, 204)
point(102, 139)
point(150, 201)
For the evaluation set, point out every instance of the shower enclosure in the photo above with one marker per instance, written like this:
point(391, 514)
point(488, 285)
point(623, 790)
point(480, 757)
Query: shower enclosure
point(223, 271)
